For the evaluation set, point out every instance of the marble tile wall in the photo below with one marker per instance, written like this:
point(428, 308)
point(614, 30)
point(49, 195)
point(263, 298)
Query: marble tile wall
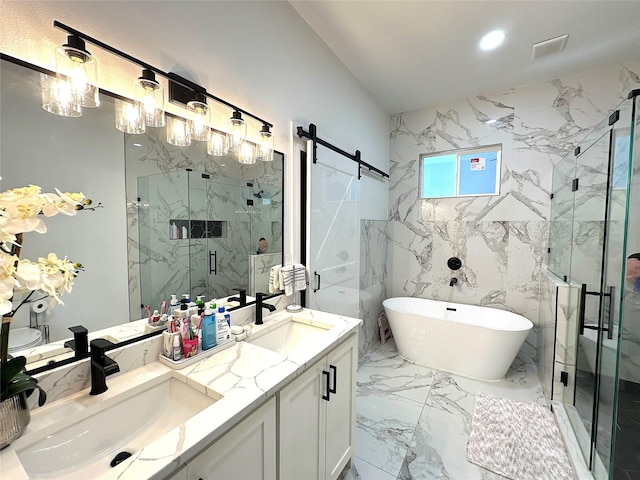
point(374, 238)
point(502, 240)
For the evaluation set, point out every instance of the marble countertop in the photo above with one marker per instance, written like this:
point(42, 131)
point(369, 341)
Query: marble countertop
point(241, 378)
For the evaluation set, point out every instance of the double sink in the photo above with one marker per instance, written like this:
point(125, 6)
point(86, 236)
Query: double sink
point(84, 437)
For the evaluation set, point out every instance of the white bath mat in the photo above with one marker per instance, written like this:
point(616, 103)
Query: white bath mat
point(520, 441)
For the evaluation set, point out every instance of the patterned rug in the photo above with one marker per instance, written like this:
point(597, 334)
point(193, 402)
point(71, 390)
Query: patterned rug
point(520, 441)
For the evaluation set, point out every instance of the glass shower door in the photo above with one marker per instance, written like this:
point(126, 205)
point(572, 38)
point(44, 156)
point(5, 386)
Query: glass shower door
point(334, 234)
point(614, 259)
point(586, 271)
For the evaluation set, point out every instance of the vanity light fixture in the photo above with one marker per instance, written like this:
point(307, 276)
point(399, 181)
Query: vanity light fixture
point(130, 116)
point(237, 132)
point(491, 40)
point(151, 95)
point(178, 132)
point(81, 71)
point(199, 121)
point(76, 85)
point(217, 144)
point(265, 148)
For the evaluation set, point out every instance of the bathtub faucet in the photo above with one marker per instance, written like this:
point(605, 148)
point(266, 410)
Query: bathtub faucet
point(453, 281)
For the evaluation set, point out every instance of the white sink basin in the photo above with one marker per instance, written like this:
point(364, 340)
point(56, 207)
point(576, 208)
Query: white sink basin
point(289, 335)
point(88, 432)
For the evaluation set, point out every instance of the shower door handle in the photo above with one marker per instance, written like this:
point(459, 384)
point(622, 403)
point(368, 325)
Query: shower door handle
point(316, 275)
point(583, 300)
point(213, 262)
point(609, 328)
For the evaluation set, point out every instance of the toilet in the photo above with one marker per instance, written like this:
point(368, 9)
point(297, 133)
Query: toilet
point(23, 338)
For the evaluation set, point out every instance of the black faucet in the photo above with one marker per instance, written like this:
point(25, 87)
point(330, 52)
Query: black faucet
point(453, 281)
point(259, 306)
point(80, 342)
point(101, 366)
point(242, 297)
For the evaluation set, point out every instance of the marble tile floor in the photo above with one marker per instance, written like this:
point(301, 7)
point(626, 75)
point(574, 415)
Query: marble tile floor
point(413, 422)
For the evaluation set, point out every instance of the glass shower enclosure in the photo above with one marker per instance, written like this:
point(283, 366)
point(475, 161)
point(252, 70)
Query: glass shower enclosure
point(195, 235)
point(594, 228)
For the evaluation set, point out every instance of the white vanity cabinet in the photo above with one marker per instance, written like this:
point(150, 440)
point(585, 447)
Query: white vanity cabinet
point(246, 452)
point(316, 420)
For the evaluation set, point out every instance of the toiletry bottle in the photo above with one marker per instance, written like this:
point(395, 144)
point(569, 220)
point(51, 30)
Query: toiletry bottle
point(223, 333)
point(184, 232)
point(173, 304)
point(177, 347)
point(208, 329)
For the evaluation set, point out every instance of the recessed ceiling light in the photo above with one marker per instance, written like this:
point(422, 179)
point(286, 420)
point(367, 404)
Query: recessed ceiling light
point(491, 40)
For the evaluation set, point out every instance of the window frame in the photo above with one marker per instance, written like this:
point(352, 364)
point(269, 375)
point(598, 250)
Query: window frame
point(458, 152)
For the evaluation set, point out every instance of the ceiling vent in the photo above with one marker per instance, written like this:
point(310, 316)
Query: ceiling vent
point(548, 47)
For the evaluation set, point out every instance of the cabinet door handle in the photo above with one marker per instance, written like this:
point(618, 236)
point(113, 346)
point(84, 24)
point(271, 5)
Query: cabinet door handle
point(335, 378)
point(328, 390)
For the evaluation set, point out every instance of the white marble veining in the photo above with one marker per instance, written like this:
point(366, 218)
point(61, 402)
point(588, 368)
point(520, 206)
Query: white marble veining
point(414, 422)
point(374, 242)
point(502, 240)
point(241, 378)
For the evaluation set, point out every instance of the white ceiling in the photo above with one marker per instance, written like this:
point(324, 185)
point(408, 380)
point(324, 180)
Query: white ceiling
point(411, 54)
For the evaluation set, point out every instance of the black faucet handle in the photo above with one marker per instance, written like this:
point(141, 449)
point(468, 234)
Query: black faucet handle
point(243, 295)
point(99, 346)
point(80, 342)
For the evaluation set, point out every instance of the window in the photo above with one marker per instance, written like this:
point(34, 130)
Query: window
point(461, 173)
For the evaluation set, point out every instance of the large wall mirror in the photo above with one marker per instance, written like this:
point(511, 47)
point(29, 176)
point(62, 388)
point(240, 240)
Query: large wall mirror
point(171, 220)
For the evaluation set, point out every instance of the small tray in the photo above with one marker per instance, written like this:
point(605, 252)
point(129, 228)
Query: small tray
point(201, 355)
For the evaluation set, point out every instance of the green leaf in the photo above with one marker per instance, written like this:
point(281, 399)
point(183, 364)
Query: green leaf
point(10, 369)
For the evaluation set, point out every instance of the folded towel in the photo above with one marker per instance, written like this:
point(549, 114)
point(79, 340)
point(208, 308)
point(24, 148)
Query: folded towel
point(274, 279)
point(294, 278)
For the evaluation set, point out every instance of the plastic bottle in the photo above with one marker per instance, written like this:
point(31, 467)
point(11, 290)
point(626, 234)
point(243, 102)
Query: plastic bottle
point(177, 348)
point(173, 304)
point(223, 332)
point(209, 339)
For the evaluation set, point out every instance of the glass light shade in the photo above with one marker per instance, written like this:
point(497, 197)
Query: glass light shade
point(129, 117)
point(81, 70)
point(237, 132)
point(217, 145)
point(178, 132)
point(246, 154)
point(57, 97)
point(199, 123)
point(265, 147)
point(151, 95)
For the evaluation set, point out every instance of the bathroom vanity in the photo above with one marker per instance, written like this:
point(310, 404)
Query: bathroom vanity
point(287, 390)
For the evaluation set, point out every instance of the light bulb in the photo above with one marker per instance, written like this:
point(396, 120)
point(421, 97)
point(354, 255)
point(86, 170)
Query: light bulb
point(216, 145)
point(178, 132)
point(200, 130)
point(129, 117)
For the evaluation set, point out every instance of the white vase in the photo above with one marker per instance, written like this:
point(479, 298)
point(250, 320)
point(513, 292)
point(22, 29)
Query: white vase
point(14, 418)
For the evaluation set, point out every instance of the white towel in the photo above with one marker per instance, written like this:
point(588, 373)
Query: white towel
point(274, 279)
point(294, 283)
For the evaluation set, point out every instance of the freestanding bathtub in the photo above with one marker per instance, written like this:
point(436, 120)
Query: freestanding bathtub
point(477, 342)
